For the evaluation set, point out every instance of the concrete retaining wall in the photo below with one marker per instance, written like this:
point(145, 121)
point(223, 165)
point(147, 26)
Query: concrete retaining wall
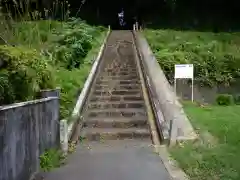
point(174, 124)
point(26, 130)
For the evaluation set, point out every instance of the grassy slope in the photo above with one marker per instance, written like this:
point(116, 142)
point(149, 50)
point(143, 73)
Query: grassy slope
point(216, 57)
point(69, 40)
point(216, 154)
point(72, 82)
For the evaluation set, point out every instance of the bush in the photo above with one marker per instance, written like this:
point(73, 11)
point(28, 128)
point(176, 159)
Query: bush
point(64, 47)
point(74, 44)
point(72, 81)
point(237, 99)
point(216, 57)
point(224, 99)
point(25, 72)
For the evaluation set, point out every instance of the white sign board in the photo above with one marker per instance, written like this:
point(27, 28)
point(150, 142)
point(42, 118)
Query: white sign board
point(183, 71)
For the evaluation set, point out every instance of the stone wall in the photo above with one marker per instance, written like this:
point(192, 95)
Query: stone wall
point(26, 130)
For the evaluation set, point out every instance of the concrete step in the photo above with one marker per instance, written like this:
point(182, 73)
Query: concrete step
point(116, 107)
point(101, 134)
point(119, 112)
point(110, 76)
point(116, 98)
point(117, 92)
point(124, 71)
point(125, 104)
point(116, 122)
point(118, 86)
point(117, 146)
point(106, 82)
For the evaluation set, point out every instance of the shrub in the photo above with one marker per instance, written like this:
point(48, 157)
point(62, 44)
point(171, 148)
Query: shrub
point(51, 159)
point(224, 99)
point(25, 72)
point(237, 99)
point(216, 57)
point(74, 44)
point(63, 47)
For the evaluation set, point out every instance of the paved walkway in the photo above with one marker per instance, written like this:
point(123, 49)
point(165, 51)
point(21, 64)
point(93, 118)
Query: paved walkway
point(112, 160)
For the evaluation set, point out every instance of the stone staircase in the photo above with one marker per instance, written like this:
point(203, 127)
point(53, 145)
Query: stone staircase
point(115, 108)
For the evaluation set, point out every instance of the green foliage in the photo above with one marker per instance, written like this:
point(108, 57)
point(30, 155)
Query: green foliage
point(224, 99)
point(215, 154)
point(34, 34)
point(74, 44)
point(216, 57)
point(25, 73)
point(237, 99)
point(64, 48)
point(51, 159)
point(72, 81)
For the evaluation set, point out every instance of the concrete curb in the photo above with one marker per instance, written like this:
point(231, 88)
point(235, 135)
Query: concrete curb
point(67, 130)
point(170, 164)
point(174, 120)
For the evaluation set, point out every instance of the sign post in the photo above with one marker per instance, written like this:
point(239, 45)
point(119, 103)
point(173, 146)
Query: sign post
point(183, 71)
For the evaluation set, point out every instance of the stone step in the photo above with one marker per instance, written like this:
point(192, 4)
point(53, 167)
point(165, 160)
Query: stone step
point(114, 98)
point(116, 122)
point(131, 81)
point(101, 134)
point(126, 104)
point(117, 78)
point(119, 112)
point(116, 92)
point(122, 70)
point(111, 67)
point(119, 86)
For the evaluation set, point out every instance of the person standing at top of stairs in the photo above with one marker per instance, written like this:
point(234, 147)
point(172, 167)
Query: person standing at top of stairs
point(121, 18)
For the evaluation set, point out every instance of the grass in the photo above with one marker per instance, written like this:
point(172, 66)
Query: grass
point(215, 155)
point(51, 159)
point(216, 56)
